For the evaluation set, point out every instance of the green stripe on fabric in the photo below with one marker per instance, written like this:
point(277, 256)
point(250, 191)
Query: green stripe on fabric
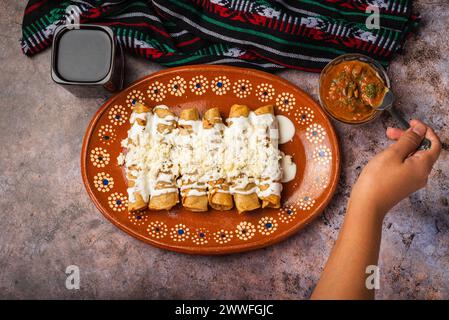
point(127, 32)
point(223, 48)
point(25, 32)
point(186, 60)
point(393, 43)
point(30, 32)
point(382, 15)
point(39, 25)
point(125, 36)
point(43, 22)
point(132, 5)
point(199, 54)
point(47, 18)
point(37, 33)
point(257, 33)
point(53, 16)
point(396, 36)
point(168, 48)
point(403, 4)
point(169, 24)
point(380, 35)
point(218, 48)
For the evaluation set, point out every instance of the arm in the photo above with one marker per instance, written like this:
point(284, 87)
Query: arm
point(356, 248)
point(387, 179)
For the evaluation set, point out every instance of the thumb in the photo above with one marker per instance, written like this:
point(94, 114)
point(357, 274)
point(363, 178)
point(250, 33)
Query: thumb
point(410, 140)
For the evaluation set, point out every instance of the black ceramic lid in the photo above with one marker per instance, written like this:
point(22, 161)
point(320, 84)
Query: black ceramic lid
point(82, 54)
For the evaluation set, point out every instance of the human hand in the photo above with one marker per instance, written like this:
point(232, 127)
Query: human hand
point(397, 171)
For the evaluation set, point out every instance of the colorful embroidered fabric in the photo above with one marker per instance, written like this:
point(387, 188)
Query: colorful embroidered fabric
point(263, 34)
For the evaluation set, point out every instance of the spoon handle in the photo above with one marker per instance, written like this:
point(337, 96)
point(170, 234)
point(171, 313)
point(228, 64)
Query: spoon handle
point(404, 125)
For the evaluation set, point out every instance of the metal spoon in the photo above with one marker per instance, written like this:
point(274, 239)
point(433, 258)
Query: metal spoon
point(388, 105)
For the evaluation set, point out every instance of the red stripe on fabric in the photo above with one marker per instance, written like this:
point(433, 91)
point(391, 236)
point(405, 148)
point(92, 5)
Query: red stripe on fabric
point(186, 43)
point(93, 13)
point(287, 28)
point(30, 52)
point(34, 50)
point(142, 24)
point(388, 53)
point(362, 6)
point(39, 43)
point(373, 49)
point(293, 29)
point(299, 29)
point(377, 48)
point(385, 52)
point(37, 48)
point(47, 43)
point(248, 56)
point(140, 51)
point(153, 53)
point(365, 45)
point(34, 6)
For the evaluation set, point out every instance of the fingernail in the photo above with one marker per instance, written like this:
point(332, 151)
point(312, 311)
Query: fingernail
point(419, 129)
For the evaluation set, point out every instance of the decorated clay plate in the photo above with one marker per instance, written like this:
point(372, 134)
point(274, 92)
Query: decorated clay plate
point(314, 148)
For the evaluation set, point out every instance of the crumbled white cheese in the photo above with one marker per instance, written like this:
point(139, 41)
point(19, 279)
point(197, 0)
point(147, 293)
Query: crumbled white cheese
point(121, 159)
point(244, 152)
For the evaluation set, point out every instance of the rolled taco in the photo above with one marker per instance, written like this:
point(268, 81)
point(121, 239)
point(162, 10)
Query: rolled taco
point(266, 134)
point(193, 189)
point(162, 169)
point(137, 145)
point(238, 159)
point(218, 193)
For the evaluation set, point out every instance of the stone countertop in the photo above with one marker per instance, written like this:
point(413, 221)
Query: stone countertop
point(48, 221)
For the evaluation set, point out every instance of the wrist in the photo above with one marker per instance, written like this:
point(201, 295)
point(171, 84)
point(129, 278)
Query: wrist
point(370, 208)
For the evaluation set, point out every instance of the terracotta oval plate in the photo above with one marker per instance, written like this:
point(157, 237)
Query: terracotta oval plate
point(314, 148)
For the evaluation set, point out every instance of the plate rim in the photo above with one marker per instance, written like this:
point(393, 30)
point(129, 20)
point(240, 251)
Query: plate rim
point(239, 248)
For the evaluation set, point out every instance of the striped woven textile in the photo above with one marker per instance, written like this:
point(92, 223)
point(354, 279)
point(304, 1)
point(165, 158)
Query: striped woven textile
point(263, 34)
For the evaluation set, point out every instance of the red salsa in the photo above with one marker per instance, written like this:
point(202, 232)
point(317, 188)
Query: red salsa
point(351, 91)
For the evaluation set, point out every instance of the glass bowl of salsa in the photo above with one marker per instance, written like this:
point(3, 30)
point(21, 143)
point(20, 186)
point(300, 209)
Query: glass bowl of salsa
point(351, 86)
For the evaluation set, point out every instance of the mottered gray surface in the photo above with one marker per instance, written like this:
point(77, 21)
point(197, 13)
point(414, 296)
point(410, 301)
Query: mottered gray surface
point(48, 221)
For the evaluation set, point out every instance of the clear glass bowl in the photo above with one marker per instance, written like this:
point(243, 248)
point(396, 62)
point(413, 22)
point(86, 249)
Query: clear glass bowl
point(351, 57)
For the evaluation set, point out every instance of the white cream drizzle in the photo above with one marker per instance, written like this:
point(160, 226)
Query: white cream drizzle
point(160, 163)
point(242, 153)
point(268, 155)
point(189, 158)
point(252, 154)
point(137, 145)
point(211, 142)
